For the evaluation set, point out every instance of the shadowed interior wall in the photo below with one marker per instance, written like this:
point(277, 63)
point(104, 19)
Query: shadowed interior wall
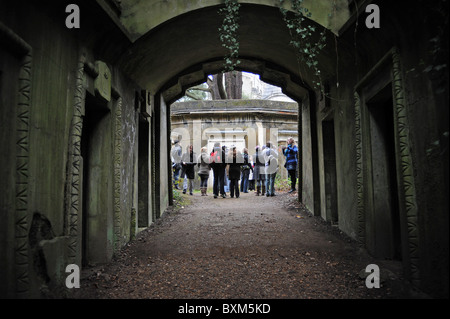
point(9, 69)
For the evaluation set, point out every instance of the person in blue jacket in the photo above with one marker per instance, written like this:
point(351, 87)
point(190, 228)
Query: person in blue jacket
point(291, 153)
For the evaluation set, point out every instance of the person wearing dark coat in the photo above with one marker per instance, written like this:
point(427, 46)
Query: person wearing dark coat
point(217, 163)
point(245, 168)
point(234, 160)
point(188, 161)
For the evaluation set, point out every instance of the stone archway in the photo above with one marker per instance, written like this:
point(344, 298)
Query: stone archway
point(155, 50)
point(186, 48)
point(138, 17)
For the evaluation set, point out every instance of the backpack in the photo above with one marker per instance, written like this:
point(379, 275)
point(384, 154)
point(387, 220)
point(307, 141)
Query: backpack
point(213, 157)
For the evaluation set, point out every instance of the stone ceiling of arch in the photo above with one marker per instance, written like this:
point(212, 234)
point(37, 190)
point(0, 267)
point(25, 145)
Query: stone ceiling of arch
point(141, 16)
point(191, 39)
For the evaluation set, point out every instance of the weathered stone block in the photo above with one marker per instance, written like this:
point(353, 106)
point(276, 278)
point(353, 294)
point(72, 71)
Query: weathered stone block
point(56, 260)
point(102, 82)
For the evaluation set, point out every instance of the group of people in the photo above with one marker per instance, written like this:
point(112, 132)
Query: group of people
point(231, 165)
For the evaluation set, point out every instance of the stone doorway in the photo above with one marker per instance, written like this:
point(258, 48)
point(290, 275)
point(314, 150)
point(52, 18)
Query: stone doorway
point(384, 195)
point(144, 214)
point(387, 204)
point(329, 155)
point(97, 219)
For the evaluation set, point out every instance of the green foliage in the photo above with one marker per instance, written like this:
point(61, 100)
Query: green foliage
point(301, 37)
point(180, 200)
point(434, 62)
point(228, 33)
point(301, 32)
point(282, 184)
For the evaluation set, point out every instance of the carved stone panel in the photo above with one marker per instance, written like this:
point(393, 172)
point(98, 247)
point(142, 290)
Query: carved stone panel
point(23, 52)
point(403, 159)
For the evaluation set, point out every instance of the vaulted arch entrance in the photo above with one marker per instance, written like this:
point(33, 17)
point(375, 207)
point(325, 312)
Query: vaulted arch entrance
point(179, 60)
point(102, 93)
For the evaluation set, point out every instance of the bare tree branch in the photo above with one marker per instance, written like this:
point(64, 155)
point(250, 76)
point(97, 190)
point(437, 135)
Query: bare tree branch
point(192, 96)
point(221, 86)
point(200, 88)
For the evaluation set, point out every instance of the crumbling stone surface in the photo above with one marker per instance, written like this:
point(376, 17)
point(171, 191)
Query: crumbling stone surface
point(250, 247)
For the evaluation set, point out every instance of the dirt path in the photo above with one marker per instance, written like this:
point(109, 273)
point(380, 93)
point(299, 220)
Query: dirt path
point(251, 247)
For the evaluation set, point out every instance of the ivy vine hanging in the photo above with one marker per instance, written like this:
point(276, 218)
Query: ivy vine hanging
point(301, 37)
point(301, 32)
point(228, 33)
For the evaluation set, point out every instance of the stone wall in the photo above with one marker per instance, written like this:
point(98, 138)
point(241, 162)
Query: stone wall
point(386, 79)
point(68, 153)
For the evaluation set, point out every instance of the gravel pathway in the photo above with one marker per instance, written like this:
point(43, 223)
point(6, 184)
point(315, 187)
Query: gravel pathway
point(251, 247)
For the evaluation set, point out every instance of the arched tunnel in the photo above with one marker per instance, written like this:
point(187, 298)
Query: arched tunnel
point(85, 124)
point(185, 49)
